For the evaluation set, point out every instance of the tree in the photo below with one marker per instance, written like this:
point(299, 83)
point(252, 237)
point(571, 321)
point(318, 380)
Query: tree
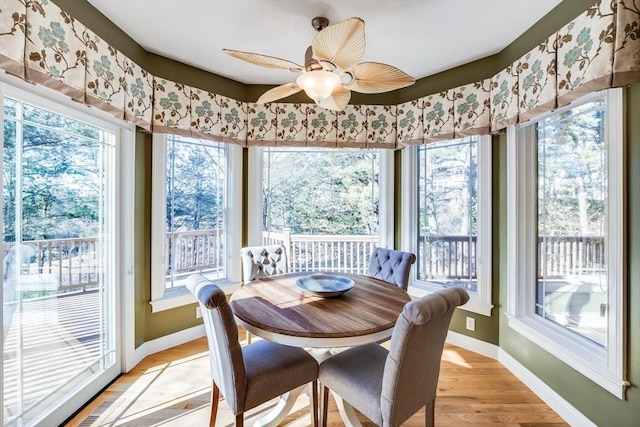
point(448, 187)
point(56, 165)
point(321, 191)
point(195, 186)
point(572, 173)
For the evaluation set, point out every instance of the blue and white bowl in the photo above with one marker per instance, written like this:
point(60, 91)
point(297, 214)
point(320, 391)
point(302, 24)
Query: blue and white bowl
point(325, 285)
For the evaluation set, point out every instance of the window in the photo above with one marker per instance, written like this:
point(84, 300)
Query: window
point(566, 236)
point(325, 206)
point(65, 252)
point(448, 221)
point(192, 228)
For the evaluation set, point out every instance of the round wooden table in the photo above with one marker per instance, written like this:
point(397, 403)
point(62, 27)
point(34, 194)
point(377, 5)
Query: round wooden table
point(275, 308)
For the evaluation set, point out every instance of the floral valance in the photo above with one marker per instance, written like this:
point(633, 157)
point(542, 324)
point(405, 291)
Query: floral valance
point(599, 49)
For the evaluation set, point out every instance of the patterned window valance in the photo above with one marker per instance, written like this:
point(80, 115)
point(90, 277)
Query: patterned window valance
point(599, 49)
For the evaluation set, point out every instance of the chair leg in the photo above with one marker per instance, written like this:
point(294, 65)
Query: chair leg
point(324, 395)
point(239, 420)
point(314, 403)
point(430, 413)
point(215, 398)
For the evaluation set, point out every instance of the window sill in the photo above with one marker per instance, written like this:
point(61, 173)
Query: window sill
point(585, 357)
point(474, 305)
point(181, 296)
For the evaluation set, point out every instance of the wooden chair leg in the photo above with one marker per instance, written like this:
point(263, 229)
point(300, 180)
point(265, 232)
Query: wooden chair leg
point(430, 413)
point(314, 403)
point(239, 420)
point(325, 402)
point(215, 398)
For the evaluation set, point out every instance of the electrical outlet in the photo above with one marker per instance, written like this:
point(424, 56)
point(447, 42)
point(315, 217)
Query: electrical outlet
point(198, 312)
point(471, 324)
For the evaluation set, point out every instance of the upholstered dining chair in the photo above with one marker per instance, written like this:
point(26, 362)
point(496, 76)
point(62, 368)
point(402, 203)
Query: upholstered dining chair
point(388, 386)
point(261, 261)
point(391, 266)
point(251, 375)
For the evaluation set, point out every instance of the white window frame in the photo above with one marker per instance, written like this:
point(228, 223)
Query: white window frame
point(386, 219)
point(604, 366)
point(480, 301)
point(166, 299)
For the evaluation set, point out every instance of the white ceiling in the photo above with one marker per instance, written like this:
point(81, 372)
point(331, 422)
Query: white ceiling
point(421, 37)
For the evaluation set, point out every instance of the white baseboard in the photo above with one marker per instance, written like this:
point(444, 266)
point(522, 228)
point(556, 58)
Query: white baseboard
point(472, 344)
point(563, 408)
point(556, 402)
point(163, 343)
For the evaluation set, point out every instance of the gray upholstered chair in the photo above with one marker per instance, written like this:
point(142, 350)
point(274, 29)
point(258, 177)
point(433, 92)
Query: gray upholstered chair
point(390, 386)
point(261, 261)
point(391, 266)
point(251, 375)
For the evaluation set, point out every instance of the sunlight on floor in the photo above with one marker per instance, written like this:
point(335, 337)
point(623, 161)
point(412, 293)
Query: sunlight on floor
point(172, 388)
point(176, 393)
point(454, 357)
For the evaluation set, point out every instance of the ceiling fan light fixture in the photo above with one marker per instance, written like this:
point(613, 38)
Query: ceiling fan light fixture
point(318, 84)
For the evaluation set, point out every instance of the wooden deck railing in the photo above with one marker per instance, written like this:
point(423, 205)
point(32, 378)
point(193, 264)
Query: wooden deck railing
point(346, 254)
point(446, 257)
point(454, 257)
point(74, 263)
point(195, 250)
point(71, 263)
point(570, 255)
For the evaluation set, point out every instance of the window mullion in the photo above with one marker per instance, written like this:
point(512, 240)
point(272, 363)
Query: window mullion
point(616, 253)
point(158, 222)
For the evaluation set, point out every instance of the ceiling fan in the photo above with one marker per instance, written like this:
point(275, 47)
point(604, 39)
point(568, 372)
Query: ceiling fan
point(332, 67)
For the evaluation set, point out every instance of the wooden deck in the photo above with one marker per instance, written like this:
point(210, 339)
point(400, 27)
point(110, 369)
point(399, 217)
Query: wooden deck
point(60, 346)
point(172, 388)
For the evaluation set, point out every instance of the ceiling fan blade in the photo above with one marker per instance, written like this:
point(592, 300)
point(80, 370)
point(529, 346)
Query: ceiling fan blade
point(338, 99)
point(374, 77)
point(342, 43)
point(278, 92)
point(264, 60)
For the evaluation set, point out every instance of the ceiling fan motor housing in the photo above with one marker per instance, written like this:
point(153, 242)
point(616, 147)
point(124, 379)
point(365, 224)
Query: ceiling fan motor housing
point(311, 64)
point(319, 22)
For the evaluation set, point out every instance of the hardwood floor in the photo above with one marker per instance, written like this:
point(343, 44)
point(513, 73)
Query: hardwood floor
point(172, 388)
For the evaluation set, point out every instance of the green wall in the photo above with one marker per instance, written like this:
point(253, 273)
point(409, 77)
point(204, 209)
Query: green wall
point(142, 233)
point(595, 403)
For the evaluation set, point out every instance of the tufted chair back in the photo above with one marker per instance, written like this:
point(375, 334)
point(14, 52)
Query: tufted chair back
point(391, 266)
point(261, 261)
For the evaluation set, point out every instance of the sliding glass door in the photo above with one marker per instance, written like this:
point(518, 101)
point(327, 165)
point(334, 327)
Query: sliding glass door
point(59, 260)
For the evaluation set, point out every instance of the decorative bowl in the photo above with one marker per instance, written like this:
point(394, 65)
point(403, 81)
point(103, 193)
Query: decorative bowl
point(325, 285)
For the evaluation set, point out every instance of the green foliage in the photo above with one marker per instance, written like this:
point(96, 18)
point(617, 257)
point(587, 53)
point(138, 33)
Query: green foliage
point(59, 173)
point(321, 192)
